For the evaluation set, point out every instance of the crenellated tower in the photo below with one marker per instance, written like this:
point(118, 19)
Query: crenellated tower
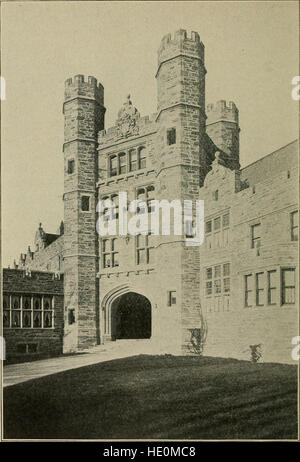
point(222, 126)
point(83, 117)
point(181, 124)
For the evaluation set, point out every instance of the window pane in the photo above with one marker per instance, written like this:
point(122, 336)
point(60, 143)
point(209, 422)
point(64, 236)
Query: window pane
point(171, 136)
point(85, 203)
point(6, 302)
point(47, 303)
point(217, 284)
point(37, 303)
point(260, 280)
point(16, 305)
point(114, 244)
point(208, 227)
point(106, 260)
point(115, 259)
point(26, 303)
point(15, 319)
point(113, 166)
point(226, 220)
point(208, 287)
point(289, 277)
point(6, 322)
point(226, 283)
point(48, 319)
point(141, 257)
point(133, 160)
point(272, 278)
point(218, 271)
point(122, 161)
point(217, 223)
point(26, 318)
point(208, 273)
point(140, 240)
point(37, 319)
point(142, 158)
point(226, 269)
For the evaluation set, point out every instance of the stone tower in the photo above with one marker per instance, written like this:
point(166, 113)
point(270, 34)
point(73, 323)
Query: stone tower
point(83, 117)
point(181, 123)
point(222, 126)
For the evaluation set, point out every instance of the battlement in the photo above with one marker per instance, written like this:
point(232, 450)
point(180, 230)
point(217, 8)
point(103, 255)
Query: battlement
point(89, 87)
point(181, 41)
point(222, 110)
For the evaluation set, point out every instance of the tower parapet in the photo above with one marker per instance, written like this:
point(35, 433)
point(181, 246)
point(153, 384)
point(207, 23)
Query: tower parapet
point(222, 126)
point(222, 111)
point(80, 86)
point(179, 42)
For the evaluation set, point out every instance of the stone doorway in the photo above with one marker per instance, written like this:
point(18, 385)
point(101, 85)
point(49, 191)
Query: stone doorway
point(131, 317)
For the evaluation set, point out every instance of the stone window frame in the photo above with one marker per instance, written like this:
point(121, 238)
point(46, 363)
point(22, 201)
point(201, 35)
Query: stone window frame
point(171, 136)
point(255, 242)
point(22, 311)
point(211, 231)
point(111, 197)
point(140, 161)
point(217, 276)
point(71, 162)
point(294, 226)
point(284, 286)
point(85, 195)
point(111, 252)
point(171, 297)
point(144, 247)
point(275, 287)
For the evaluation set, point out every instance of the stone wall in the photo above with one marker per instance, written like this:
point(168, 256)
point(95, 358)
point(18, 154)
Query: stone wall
point(46, 341)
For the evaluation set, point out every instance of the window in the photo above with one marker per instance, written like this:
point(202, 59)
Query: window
point(23, 348)
point(216, 195)
point(144, 249)
point(122, 163)
point(294, 226)
point(171, 136)
point(71, 316)
point(255, 236)
point(272, 290)
point(287, 286)
point(171, 297)
point(133, 160)
point(217, 287)
point(142, 157)
point(71, 166)
point(28, 311)
point(259, 287)
point(146, 195)
point(110, 253)
point(248, 290)
point(113, 166)
point(217, 232)
point(85, 203)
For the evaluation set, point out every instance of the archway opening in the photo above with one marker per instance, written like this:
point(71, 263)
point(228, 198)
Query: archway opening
point(131, 317)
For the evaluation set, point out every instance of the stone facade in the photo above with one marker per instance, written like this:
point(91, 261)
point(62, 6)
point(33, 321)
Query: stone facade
point(186, 150)
point(33, 314)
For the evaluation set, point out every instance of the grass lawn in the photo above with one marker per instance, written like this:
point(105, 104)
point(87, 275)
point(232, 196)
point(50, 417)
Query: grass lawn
point(157, 397)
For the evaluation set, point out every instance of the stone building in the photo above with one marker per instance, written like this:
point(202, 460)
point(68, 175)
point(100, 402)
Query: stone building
point(238, 289)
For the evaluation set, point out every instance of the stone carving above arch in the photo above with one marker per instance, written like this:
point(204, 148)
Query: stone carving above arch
point(127, 120)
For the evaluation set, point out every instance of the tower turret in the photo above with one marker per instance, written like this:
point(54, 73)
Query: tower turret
point(84, 116)
point(180, 140)
point(222, 126)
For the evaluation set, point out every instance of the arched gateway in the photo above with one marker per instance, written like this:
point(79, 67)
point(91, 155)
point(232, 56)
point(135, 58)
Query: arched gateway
point(127, 316)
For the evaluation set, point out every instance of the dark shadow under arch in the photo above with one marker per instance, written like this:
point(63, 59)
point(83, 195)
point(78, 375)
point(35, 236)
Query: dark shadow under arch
point(131, 317)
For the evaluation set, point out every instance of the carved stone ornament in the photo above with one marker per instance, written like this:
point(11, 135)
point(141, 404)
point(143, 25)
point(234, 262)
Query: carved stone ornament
point(127, 118)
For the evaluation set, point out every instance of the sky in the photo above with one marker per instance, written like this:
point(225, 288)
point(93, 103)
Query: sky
point(252, 54)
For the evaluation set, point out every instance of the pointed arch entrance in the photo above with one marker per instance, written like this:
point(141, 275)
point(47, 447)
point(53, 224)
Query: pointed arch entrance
point(126, 315)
